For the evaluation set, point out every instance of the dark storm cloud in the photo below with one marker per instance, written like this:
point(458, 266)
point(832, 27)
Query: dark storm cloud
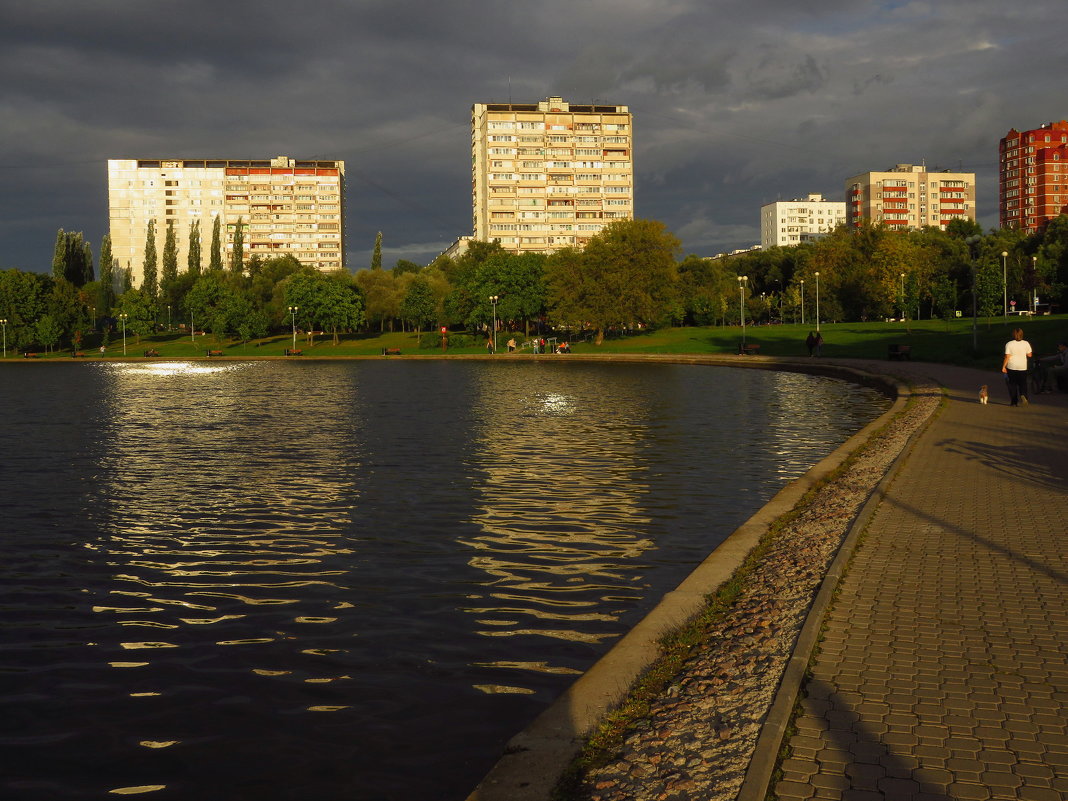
point(736, 102)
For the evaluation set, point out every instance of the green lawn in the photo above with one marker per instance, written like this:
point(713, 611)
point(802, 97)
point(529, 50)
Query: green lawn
point(931, 340)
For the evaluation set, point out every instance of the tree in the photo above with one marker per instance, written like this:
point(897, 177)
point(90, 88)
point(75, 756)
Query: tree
point(72, 258)
point(376, 255)
point(107, 274)
point(216, 245)
point(48, 331)
point(380, 294)
point(237, 255)
point(404, 266)
point(139, 308)
point(419, 306)
point(328, 301)
point(150, 280)
point(192, 263)
point(625, 275)
point(170, 259)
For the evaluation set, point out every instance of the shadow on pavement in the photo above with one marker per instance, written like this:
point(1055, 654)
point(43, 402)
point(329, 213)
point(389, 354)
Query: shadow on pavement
point(874, 769)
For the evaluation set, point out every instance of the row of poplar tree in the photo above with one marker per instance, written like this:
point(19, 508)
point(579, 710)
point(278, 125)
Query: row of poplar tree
point(629, 275)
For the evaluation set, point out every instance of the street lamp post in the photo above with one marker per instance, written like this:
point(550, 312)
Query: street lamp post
point(802, 301)
point(764, 304)
point(168, 317)
point(973, 242)
point(293, 320)
point(1004, 286)
point(192, 331)
point(817, 303)
point(493, 299)
point(4, 324)
point(741, 302)
point(1034, 281)
point(903, 315)
point(123, 318)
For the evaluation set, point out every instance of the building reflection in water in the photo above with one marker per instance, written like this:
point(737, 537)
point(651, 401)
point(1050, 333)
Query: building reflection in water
point(559, 509)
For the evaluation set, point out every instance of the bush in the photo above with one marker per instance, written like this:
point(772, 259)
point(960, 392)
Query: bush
point(432, 341)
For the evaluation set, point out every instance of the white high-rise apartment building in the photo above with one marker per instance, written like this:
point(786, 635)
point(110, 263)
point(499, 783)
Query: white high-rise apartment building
point(549, 175)
point(791, 222)
point(909, 197)
point(285, 206)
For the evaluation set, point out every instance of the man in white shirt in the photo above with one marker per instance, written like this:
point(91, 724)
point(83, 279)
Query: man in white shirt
point(1014, 366)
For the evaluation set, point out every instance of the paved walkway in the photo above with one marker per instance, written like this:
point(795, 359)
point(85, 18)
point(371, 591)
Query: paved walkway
point(943, 672)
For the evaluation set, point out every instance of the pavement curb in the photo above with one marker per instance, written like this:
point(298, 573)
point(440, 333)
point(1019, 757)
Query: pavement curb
point(536, 758)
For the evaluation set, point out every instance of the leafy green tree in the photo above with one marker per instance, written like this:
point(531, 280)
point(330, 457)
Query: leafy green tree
point(48, 331)
point(376, 255)
point(237, 255)
point(381, 296)
point(150, 283)
point(625, 275)
point(706, 288)
point(215, 256)
point(72, 258)
point(192, 263)
point(23, 299)
point(59, 255)
point(140, 310)
point(331, 302)
point(404, 266)
point(518, 281)
point(87, 265)
point(419, 306)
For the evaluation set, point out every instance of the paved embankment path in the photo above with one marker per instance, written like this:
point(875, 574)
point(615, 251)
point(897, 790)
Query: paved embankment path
point(943, 671)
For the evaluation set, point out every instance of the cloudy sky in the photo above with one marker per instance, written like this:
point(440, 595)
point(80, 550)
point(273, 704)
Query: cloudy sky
point(736, 103)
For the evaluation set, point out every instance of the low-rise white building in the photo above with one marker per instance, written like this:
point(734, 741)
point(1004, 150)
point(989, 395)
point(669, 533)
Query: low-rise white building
point(791, 222)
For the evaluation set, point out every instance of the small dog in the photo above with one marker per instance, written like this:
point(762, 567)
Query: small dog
point(983, 394)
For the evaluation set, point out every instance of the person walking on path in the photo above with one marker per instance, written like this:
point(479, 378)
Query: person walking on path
point(810, 342)
point(1014, 366)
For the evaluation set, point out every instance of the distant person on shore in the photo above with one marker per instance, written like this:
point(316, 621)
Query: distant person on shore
point(1058, 368)
point(489, 346)
point(810, 342)
point(1014, 366)
point(511, 345)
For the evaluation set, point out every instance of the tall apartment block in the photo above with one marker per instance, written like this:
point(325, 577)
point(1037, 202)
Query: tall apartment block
point(285, 206)
point(1033, 176)
point(791, 222)
point(909, 197)
point(549, 175)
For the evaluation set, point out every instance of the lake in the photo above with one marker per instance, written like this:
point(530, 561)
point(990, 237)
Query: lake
point(355, 579)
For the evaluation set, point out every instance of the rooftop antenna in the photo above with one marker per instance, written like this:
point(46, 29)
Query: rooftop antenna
point(509, 90)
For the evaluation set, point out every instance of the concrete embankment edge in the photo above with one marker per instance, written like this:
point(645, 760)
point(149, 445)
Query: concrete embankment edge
point(536, 758)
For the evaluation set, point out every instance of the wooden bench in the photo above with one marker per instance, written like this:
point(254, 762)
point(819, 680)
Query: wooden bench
point(215, 353)
point(899, 352)
point(748, 350)
point(291, 352)
point(391, 352)
point(77, 355)
point(151, 352)
point(29, 355)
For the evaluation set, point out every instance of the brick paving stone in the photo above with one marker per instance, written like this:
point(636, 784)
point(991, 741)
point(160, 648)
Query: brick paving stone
point(946, 650)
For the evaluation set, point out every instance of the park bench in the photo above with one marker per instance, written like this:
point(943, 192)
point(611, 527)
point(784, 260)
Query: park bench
point(748, 350)
point(899, 352)
point(215, 353)
point(391, 352)
point(28, 355)
point(151, 352)
point(77, 355)
point(291, 352)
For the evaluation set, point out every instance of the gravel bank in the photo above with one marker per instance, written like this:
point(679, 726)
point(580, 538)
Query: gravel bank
point(699, 737)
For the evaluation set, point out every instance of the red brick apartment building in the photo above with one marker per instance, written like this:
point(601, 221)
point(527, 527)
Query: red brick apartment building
point(1033, 176)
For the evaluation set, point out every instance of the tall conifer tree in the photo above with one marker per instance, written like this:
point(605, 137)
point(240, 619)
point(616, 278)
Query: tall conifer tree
point(107, 275)
point(150, 281)
point(376, 256)
point(193, 258)
point(237, 256)
point(170, 259)
point(216, 245)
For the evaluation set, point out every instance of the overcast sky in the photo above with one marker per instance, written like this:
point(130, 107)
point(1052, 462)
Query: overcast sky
point(736, 103)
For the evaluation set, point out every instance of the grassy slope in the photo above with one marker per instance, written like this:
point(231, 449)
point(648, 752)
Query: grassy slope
point(931, 340)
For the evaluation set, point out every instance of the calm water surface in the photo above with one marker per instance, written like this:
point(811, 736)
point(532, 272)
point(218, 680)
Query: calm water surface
point(350, 581)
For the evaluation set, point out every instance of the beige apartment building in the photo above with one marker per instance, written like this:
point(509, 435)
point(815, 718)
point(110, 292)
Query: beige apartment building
point(791, 222)
point(549, 175)
point(909, 197)
point(285, 206)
